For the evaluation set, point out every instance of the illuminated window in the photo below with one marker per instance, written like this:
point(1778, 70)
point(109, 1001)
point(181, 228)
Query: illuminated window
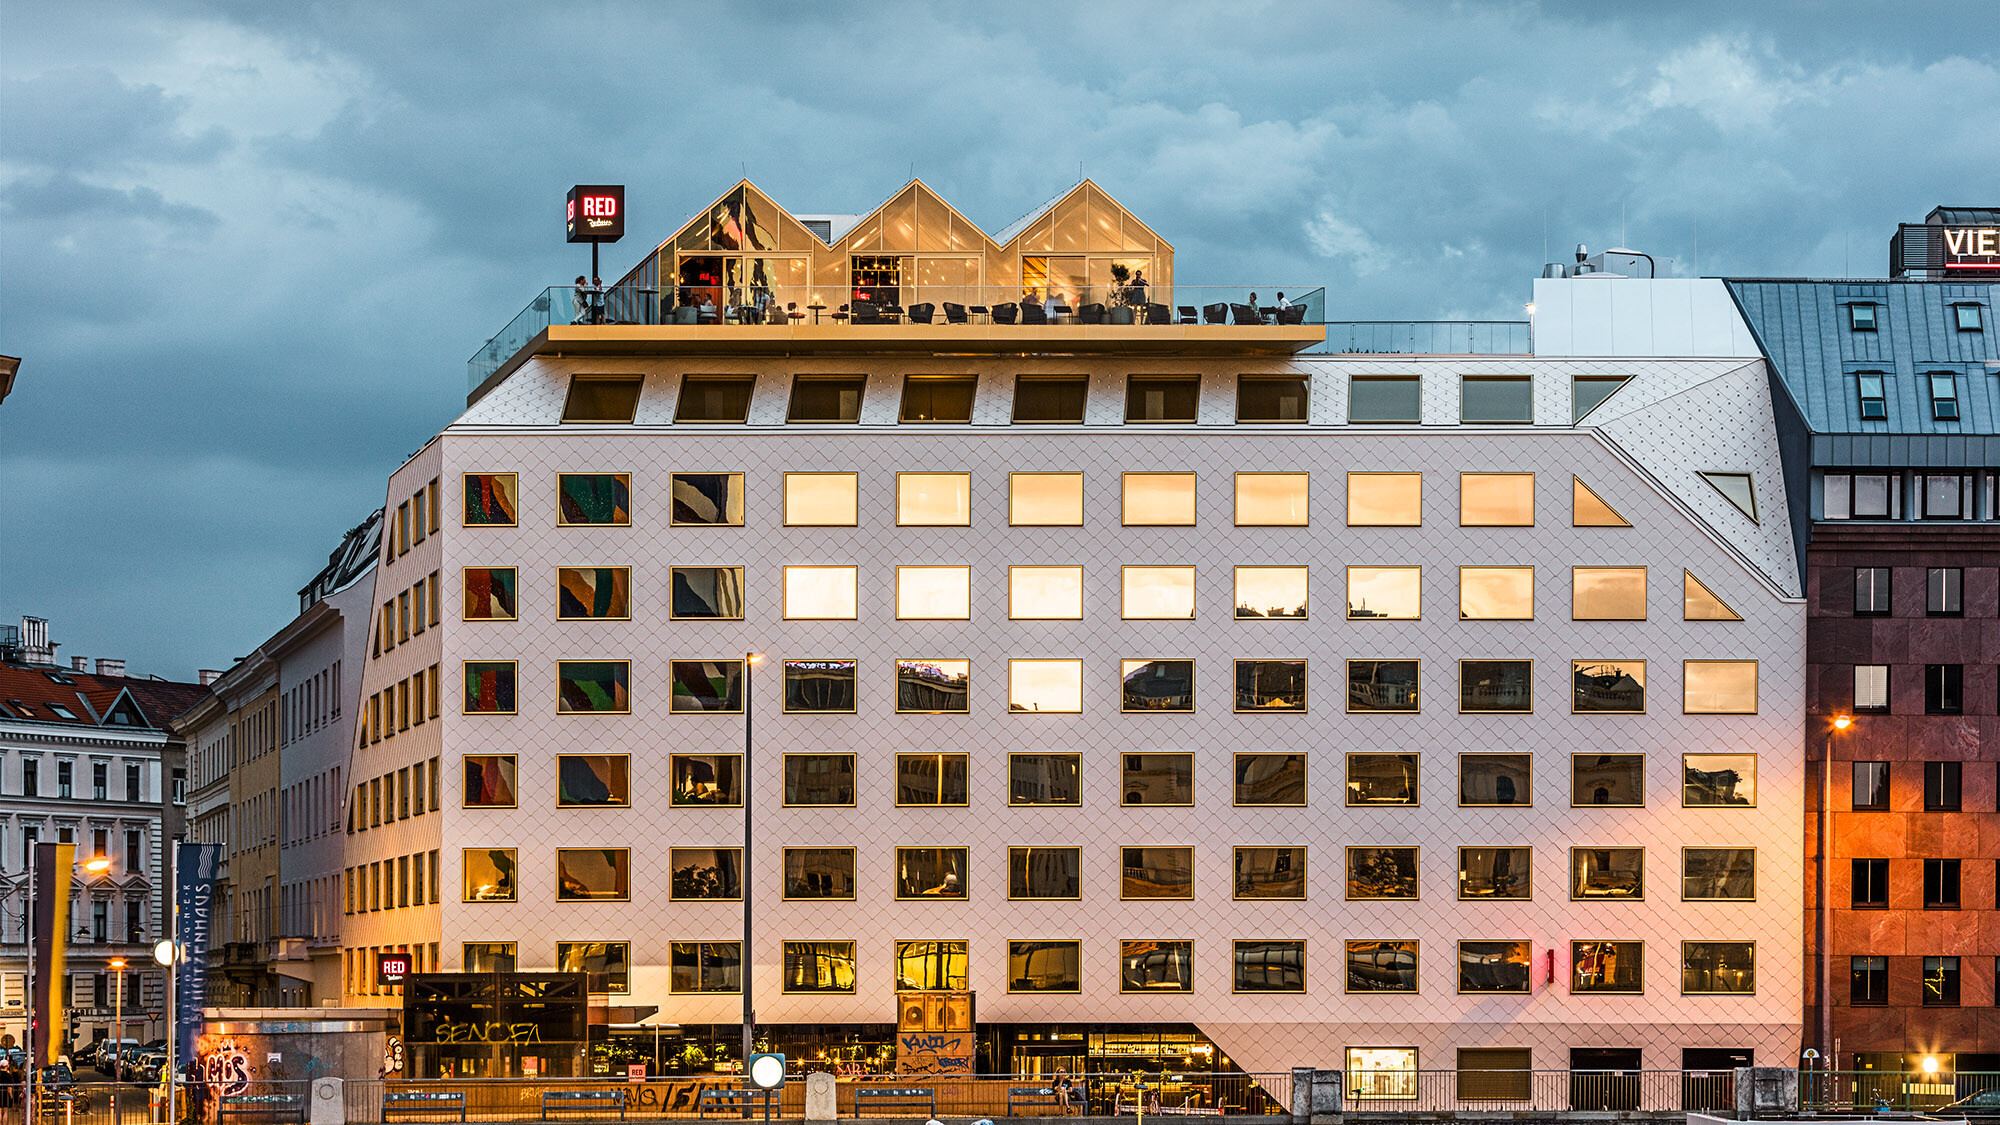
point(1045, 593)
point(1385, 398)
point(1156, 966)
point(1271, 873)
point(1270, 685)
point(1050, 398)
point(707, 685)
point(1270, 398)
point(1044, 779)
point(1491, 966)
point(1158, 499)
point(938, 398)
point(1161, 398)
point(932, 686)
point(1379, 686)
point(1381, 873)
point(1156, 779)
point(820, 593)
point(819, 779)
point(1617, 686)
point(1156, 685)
point(708, 499)
point(1718, 967)
point(1719, 874)
point(934, 593)
point(1272, 499)
point(1607, 873)
point(602, 398)
point(607, 965)
point(593, 874)
point(1607, 966)
point(704, 966)
point(822, 499)
point(594, 499)
point(1271, 591)
point(1609, 780)
point(602, 780)
point(1381, 966)
point(1381, 779)
point(705, 873)
point(714, 398)
point(934, 499)
point(1385, 499)
point(1390, 593)
point(1045, 499)
point(1496, 593)
point(819, 966)
point(491, 593)
point(492, 500)
point(488, 956)
point(1045, 686)
point(1719, 687)
point(929, 966)
point(931, 779)
point(826, 398)
point(1156, 873)
point(1496, 398)
point(1608, 593)
point(819, 873)
point(1155, 593)
point(489, 687)
point(707, 593)
point(601, 687)
point(703, 780)
point(594, 593)
point(1495, 873)
point(1726, 780)
point(1495, 780)
point(489, 874)
point(819, 686)
point(930, 873)
point(1268, 966)
point(1044, 966)
point(1045, 873)
point(1496, 499)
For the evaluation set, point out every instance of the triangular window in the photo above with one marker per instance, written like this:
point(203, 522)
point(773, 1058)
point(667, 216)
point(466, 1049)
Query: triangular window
point(1735, 487)
point(1587, 509)
point(1699, 603)
point(1588, 392)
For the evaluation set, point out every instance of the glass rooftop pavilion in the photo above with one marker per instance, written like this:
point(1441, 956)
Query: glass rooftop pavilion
point(1078, 274)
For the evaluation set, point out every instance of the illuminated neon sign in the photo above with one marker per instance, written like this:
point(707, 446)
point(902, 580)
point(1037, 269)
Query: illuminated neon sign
point(596, 213)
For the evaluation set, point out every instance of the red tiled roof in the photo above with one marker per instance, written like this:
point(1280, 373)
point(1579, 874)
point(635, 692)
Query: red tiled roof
point(33, 692)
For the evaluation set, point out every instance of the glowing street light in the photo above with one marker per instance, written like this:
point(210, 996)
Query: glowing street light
point(98, 864)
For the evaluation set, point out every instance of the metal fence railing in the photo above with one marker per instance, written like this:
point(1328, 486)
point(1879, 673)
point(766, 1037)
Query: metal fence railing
point(1868, 1091)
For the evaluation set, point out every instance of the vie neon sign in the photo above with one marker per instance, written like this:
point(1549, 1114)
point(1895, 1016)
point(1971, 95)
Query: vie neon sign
point(1981, 244)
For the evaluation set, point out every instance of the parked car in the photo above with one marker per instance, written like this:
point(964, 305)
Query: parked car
point(58, 1088)
point(1980, 1103)
point(146, 1065)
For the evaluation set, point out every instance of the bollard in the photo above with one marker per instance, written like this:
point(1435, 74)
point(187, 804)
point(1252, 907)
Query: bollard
point(1302, 1093)
point(328, 1102)
point(822, 1104)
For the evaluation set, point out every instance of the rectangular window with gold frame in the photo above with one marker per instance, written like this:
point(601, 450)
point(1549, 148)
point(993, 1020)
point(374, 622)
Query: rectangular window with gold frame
point(1719, 781)
point(818, 966)
point(1271, 780)
point(1162, 398)
point(1494, 873)
point(1376, 499)
point(934, 399)
point(1046, 687)
point(1608, 686)
point(820, 593)
point(1496, 399)
point(707, 593)
point(707, 499)
point(593, 780)
point(931, 966)
point(1270, 686)
point(1381, 873)
point(819, 779)
point(705, 874)
point(1391, 399)
point(1156, 779)
point(1607, 873)
point(1147, 873)
point(931, 779)
point(1607, 780)
point(1382, 687)
point(1384, 593)
point(1045, 499)
point(492, 500)
point(1271, 873)
point(1719, 687)
point(1157, 499)
point(930, 873)
point(1050, 399)
point(1272, 592)
point(933, 593)
point(1045, 873)
point(819, 873)
point(594, 593)
point(704, 966)
point(1607, 967)
point(606, 965)
point(600, 687)
point(1381, 779)
point(491, 594)
point(706, 780)
point(1156, 685)
point(822, 500)
point(593, 874)
point(1271, 398)
point(1044, 779)
point(487, 957)
point(1267, 966)
point(934, 499)
point(602, 398)
point(823, 399)
point(1496, 593)
point(1718, 874)
point(1154, 593)
point(1493, 967)
point(489, 687)
point(1044, 966)
point(706, 686)
point(1045, 593)
point(714, 399)
point(1608, 593)
point(594, 499)
point(1491, 687)
point(1495, 780)
point(819, 687)
point(1381, 966)
point(1273, 499)
point(932, 687)
point(1155, 966)
point(1711, 968)
point(489, 874)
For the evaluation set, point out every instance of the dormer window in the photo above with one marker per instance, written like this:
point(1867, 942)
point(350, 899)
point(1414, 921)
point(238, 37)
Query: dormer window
point(59, 677)
point(1861, 317)
point(1874, 404)
point(1967, 317)
point(1944, 396)
point(62, 712)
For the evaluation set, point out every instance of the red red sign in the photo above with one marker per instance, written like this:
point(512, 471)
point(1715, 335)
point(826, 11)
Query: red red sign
point(596, 213)
point(391, 968)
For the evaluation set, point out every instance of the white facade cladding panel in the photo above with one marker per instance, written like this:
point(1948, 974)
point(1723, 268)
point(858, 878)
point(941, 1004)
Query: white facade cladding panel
point(1645, 474)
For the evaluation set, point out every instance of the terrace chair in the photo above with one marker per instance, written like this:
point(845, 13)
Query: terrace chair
point(792, 312)
point(1034, 313)
point(921, 313)
point(840, 315)
point(1294, 315)
point(1188, 314)
point(1217, 313)
point(954, 314)
point(1158, 314)
point(1246, 314)
point(1092, 313)
point(1006, 314)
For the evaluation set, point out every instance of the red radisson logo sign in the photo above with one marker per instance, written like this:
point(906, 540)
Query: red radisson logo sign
point(596, 213)
point(391, 968)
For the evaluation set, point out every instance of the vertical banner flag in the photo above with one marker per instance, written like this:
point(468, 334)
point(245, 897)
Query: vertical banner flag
point(53, 864)
point(194, 907)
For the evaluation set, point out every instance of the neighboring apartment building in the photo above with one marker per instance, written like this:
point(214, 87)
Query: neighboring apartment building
point(88, 758)
point(1194, 700)
point(235, 733)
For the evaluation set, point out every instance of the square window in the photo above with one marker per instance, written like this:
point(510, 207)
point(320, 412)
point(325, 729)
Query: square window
point(706, 780)
point(1045, 686)
point(1871, 787)
point(594, 593)
point(1607, 873)
point(1271, 398)
point(1385, 499)
point(819, 686)
point(1496, 686)
point(938, 398)
point(1718, 967)
point(1268, 966)
point(1944, 786)
point(1381, 873)
point(1157, 499)
point(931, 779)
point(930, 966)
point(1044, 779)
point(1966, 317)
point(489, 781)
point(1271, 873)
point(1384, 593)
point(819, 779)
point(704, 966)
point(602, 687)
point(1156, 966)
point(1496, 499)
point(593, 874)
point(929, 873)
point(1940, 981)
point(1495, 780)
point(1861, 317)
point(820, 593)
point(1381, 966)
point(1608, 686)
point(826, 398)
point(1491, 966)
point(602, 398)
point(1385, 398)
point(1271, 592)
point(1381, 779)
point(1945, 496)
point(1608, 593)
point(492, 500)
point(1944, 591)
point(1264, 686)
point(1147, 873)
point(489, 687)
point(1044, 966)
point(1871, 591)
point(707, 685)
point(491, 593)
point(707, 593)
point(1496, 398)
point(600, 780)
point(594, 499)
point(1150, 593)
point(1382, 687)
point(1045, 873)
point(934, 499)
point(1719, 874)
point(1273, 499)
point(1607, 966)
point(1382, 1073)
point(705, 874)
point(819, 966)
point(822, 499)
point(1496, 593)
point(1941, 884)
point(1155, 779)
point(1495, 873)
point(819, 873)
point(1045, 593)
point(934, 593)
point(707, 499)
point(1944, 689)
point(1271, 780)
point(489, 874)
point(1870, 386)
point(1050, 399)
point(1719, 781)
point(1045, 499)
point(1867, 981)
point(1162, 398)
point(932, 686)
point(714, 398)
point(1156, 685)
point(607, 965)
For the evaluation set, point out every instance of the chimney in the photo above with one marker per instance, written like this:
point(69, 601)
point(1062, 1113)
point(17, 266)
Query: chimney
point(79, 664)
point(109, 667)
point(208, 676)
point(35, 646)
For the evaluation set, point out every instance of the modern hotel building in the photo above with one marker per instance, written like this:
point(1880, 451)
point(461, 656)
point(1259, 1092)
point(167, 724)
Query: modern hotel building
point(1192, 698)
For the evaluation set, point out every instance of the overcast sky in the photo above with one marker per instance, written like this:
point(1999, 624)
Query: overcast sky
point(245, 249)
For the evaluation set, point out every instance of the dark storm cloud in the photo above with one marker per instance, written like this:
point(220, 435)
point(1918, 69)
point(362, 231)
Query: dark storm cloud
point(248, 247)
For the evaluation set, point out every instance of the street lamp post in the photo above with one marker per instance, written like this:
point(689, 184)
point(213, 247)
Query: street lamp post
point(117, 965)
point(1840, 723)
point(743, 960)
point(167, 952)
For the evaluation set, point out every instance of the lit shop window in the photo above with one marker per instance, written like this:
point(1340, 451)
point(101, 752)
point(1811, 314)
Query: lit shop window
point(489, 687)
point(593, 874)
point(1607, 966)
point(1154, 593)
point(938, 398)
point(934, 593)
point(714, 399)
point(705, 874)
point(1044, 873)
point(1158, 499)
point(930, 966)
point(491, 593)
point(1495, 780)
point(602, 398)
point(1496, 686)
point(1273, 499)
point(1156, 873)
point(1156, 685)
point(931, 779)
point(1496, 399)
point(1496, 499)
point(1384, 593)
point(1045, 686)
point(707, 593)
point(1385, 499)
point(822, 499)
point(1270, 399)
point(704, 966)
point(930, 873)
point(1495, 873)
point(934, 499)
point(1050, 399)
point(818, 966)
point(1156, 779)
point(1718, 967)
point(819, 779)
point(594, 499)
point(1492, 967)
point(1385, 398)
point(1719, 687)
point(1155, 966)
point(594, 593)
point(820, 593)
point(1607, 873)
point(1045, 593)
point(1270, 873)
point(1381, 779)
point(489, 874)
point(707, 499)
point(1044, 966)
point(1045, 499)
point(492, 500)
point(602, 687)
point(1271, 780)
point(1271, 592)
point(819, 873)
point(705, 780)
point(607, 965)
point(1044, 779)
point(1162, 398)
point(1608, 593)
point(1718, 874)
point(819, 686)
point(932, 686)
point(1607, 780)
point(826, 398)
point(1381, 966)
point(1382, 1073)
point(1268, 966)
point(1381, 873)
point(1719, 780)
